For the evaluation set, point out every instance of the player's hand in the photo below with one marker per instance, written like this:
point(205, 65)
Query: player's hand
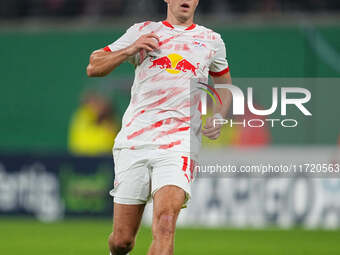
point(211, 131)
point(147, 42)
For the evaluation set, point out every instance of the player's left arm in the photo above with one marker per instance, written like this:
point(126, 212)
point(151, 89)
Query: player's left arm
point(220, 111)
point(225, 95)
point(219, 71)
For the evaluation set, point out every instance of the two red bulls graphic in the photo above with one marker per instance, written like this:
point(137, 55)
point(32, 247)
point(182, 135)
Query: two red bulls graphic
point(183, 65)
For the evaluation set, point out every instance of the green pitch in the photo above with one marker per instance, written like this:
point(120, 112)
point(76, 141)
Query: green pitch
point(88, 237)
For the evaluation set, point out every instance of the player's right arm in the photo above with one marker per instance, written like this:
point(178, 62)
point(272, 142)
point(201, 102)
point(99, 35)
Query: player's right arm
point(104, 62)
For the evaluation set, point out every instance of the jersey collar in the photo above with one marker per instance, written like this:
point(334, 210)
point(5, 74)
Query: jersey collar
point(167, 24)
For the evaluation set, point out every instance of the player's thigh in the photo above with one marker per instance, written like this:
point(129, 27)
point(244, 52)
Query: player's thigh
point(126, 220)
point(172, 173)
point(167, 203)
point(169, 199)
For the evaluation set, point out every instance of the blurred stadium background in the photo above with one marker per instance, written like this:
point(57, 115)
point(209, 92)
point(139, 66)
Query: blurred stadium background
point(57, 128)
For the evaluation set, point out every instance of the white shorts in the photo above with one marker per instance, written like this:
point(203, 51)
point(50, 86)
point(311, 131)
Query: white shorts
point(140, 173)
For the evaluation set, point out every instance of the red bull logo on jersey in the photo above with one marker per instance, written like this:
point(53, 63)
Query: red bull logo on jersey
point(174, 64)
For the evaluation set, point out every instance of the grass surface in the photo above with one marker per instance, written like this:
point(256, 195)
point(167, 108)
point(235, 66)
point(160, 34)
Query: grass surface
point(89, 237)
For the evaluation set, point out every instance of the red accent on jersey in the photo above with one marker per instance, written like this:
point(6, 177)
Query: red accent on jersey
point(186, 47)
point(174, 91)
point(170, 145)
point(144, 25)
point(141, 131)
point(153, 93)
point(216, 74)
point(168, 39)
point(184, 66)
point(171, 131)
point(184, 104)
point(166, 23)
point(107, 48)
point(134, 117)
point(191, 27)
point(178, 122)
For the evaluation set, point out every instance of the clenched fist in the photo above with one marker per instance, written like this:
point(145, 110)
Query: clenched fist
point(210, 130)
point(147, 42)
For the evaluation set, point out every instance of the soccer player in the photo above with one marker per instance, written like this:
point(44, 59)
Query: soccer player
point(155, 150)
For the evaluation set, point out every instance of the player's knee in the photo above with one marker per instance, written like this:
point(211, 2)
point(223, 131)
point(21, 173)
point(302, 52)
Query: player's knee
point(165, 224)
point(120, 244)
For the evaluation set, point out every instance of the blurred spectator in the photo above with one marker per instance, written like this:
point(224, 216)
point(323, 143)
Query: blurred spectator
point(93, 126)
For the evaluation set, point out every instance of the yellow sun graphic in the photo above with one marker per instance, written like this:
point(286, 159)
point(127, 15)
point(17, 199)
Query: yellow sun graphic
point(174, 58)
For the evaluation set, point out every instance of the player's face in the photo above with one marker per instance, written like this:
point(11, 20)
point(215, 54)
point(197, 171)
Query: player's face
point(183, 10)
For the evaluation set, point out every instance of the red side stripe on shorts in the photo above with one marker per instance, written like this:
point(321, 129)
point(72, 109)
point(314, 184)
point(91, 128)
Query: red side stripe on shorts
point(185, 163)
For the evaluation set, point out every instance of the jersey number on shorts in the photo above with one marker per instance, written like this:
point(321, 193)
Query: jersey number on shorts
point(185, 168)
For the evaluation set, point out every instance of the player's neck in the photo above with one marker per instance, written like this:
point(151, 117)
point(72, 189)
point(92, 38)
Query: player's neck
point(174, 21)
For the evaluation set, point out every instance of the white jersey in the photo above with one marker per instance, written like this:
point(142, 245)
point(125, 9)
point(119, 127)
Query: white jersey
point(162, 113)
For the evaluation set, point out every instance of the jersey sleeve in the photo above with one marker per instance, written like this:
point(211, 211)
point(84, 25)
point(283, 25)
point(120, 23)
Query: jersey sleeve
point(219, 64)
point(130, 36)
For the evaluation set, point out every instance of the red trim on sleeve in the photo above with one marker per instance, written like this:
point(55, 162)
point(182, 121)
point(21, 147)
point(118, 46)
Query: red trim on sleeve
point(216, 74)
point(107, 48)
point(146, 23)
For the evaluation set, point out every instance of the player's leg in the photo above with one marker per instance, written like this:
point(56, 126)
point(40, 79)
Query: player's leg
point(126, 222)
point(131, 192)
point(167, 203)
point(171, 179)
